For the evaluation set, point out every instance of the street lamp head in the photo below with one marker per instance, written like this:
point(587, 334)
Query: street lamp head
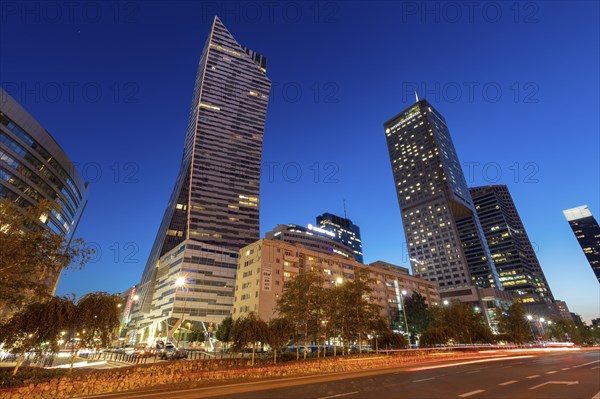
point(477, 308)
point(339, 280)
point(404, 292)
point(542, 319)
point(136, 297)
point(446, 302)
point(180, 281)
point(529, 317)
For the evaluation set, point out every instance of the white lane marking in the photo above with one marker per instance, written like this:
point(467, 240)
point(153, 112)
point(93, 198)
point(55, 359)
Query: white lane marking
point(555, 382)
point(464, 395)
point(338, 395)
point(585, 364)
point(495, 359)
point(425, 379)
point(507, 382)
point(505, 367)
point(597, 367)
point(474, 371)
point(551, 372)
point(596, 396)
point(566, 368)
point(533, 376)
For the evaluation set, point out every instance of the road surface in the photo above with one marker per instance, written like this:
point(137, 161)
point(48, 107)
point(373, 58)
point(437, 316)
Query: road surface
point(572, 375)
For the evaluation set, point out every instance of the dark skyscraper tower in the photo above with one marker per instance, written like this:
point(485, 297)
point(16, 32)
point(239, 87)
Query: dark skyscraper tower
point(443, 234)
point(515, 259)
point(213, 209)
point(345, 232)
point(587, 232)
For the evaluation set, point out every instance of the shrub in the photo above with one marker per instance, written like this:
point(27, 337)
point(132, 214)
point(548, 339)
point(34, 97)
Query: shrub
point(27, 375)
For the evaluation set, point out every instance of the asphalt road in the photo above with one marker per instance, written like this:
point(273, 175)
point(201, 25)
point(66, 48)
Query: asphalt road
point(572, 375)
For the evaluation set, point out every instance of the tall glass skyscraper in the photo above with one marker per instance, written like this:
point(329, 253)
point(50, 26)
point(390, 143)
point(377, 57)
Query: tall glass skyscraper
point(34, 167)
point(586, 230)
point(213, 209)
point(444, 237)
point(512, 252)
point(345, 231)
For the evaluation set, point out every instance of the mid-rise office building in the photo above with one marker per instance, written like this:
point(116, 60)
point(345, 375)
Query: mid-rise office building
point(311, 237)
point(213, 210)
point(34, 167)
point(445, 240)
point(586, 230)
point(512, 253)
point(345, 232)
point(266, 265)
point(564, 311)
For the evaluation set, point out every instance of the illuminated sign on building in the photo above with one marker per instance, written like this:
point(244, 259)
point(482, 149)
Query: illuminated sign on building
point(129, 305)
point(321, 231)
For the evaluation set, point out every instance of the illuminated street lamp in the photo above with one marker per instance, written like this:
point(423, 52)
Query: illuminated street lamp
point(529, 319)
point(339, 280)
point(445, 302)
point(180, 282)
point(405, 319)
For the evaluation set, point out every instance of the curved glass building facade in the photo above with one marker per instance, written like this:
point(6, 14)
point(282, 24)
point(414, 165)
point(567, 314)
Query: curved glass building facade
point(33, 167)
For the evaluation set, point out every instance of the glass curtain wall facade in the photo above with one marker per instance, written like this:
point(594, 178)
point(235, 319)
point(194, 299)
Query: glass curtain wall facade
point(512, 252)
point(345, 231)
point(586, 230)
point(33, 167)
point(214, 206)
point(444, 238)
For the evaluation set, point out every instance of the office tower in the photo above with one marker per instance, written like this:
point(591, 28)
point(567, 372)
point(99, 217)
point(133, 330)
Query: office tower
point(267, 265)
point(34, 167)
point(213, 209)
point(311, 237)
point(345, 232)
point(587, 232)
point(515, 259)
point(443, 234)
point(563, 310)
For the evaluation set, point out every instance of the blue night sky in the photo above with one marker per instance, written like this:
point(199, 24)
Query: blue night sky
point(518, 84)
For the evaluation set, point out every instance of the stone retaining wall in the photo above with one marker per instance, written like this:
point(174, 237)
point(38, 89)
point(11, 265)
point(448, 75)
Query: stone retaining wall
point(201, 372)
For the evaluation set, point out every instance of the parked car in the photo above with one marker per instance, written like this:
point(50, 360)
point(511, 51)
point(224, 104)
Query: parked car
point(171, 352)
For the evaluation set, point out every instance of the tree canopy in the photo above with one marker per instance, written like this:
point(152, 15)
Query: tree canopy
point(33, 256)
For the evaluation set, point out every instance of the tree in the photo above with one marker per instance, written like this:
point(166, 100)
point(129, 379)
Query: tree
point(512, 322)
point(361, 314)
point(456, 323)
point(33, 256)
point(417, 314)
point(197, 335)
point(249, 330)
point(96, 316)
point(303, 301)
point(223, 332)
point(38, 327)
point(279, 331)
point(392, 340)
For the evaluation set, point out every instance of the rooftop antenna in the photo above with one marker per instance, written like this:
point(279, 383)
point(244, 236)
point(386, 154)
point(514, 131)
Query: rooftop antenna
point(417, 95)
point(345, 217)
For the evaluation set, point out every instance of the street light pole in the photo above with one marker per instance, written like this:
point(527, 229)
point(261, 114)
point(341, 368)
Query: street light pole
point(529, 319)
point(180, 282)
point(405, 319)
